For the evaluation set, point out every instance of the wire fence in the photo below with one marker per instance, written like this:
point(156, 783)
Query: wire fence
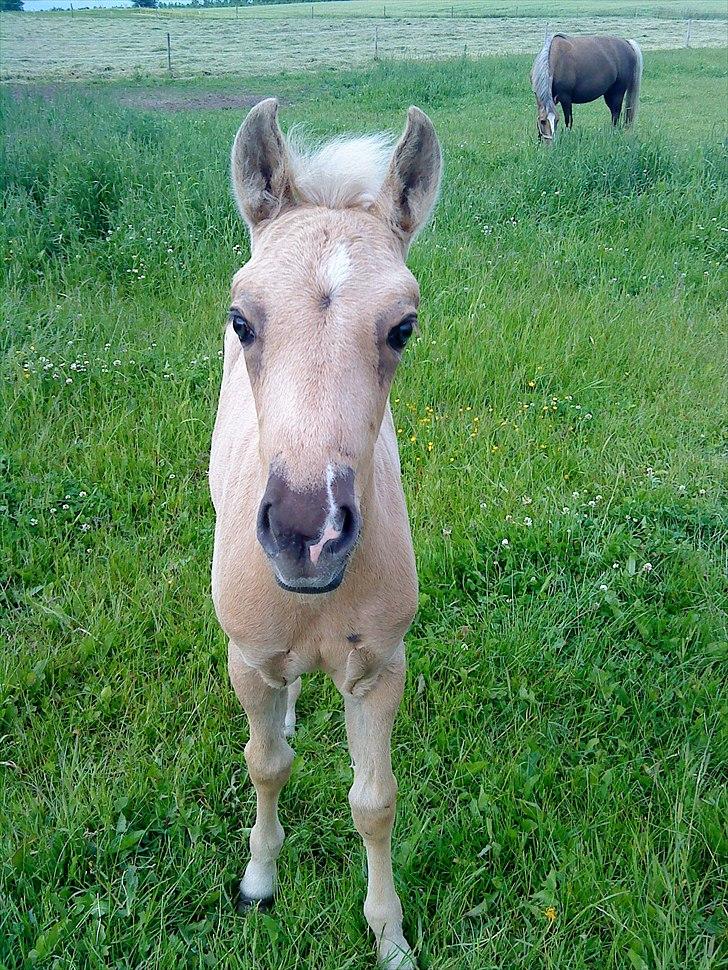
point(236, 41)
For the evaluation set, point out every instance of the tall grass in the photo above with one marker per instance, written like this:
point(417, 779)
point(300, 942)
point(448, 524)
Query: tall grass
point(562, 429)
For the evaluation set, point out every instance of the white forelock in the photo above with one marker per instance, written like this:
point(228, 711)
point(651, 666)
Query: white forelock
point(343, 173)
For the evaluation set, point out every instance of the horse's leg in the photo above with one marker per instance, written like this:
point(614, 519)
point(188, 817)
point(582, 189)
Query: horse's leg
point(568, 114)
point(373, 795)
point(269, 758)
point(293, 693)
point(614, 98)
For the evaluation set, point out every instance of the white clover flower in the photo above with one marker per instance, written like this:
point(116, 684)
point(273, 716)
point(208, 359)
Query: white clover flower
point(647, 568)
point(603, 588)
point(527, 520)
point(505, 542)
point(34, 522)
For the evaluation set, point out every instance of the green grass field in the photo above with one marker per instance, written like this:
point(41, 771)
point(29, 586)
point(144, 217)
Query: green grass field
point(561, 749)
point(285, 37)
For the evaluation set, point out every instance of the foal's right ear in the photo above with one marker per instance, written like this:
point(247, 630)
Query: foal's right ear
point(260, 166)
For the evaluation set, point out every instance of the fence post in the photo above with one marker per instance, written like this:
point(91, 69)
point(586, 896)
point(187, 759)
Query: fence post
point(385, 9)
point(169, 53)
point(311, 11)
point(687, 33)
point(376, 43)
point(71, 9)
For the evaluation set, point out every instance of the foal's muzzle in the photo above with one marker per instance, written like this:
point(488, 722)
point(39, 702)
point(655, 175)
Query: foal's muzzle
point(308, 536)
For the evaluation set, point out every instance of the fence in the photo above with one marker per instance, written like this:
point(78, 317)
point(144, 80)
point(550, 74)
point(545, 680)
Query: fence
point(239, 42)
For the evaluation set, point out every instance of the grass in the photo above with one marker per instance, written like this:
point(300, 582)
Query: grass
point(663, 9)
point(284, 37)
point(562, 741)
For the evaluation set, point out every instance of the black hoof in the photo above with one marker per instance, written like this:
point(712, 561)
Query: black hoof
point(246, 903)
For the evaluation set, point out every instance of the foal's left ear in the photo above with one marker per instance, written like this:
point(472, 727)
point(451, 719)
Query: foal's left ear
point(410, 187)
point(260, 166)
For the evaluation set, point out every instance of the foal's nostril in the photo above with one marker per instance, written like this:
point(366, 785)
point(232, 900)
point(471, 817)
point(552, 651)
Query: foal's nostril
point(349, 527)
point(266, 536)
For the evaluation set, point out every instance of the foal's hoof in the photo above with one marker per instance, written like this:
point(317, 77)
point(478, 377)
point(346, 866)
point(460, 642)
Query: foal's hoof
point(395, 954)
point(245, 903)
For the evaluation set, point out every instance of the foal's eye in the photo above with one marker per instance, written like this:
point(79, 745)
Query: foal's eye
point(398, 336)
point(242, 328)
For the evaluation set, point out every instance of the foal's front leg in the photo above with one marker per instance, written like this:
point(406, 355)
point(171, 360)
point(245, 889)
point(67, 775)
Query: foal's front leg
point(373, 796)
point(269, 758)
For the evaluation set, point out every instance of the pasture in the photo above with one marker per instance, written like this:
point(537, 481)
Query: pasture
point(308, 37)
point(561, 750)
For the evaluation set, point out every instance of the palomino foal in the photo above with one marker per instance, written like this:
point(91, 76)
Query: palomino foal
point(313, 565)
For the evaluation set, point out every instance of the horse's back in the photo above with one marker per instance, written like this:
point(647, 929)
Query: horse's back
point(584, 68)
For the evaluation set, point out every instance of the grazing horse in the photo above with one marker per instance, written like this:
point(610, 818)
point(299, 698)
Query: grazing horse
point(313, 565)
point(575, 70)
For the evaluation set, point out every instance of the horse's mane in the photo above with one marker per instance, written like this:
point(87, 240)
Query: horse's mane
point(342, 173)
point(541, 80)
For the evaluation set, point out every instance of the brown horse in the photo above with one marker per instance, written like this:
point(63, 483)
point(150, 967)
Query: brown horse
point(576, 70)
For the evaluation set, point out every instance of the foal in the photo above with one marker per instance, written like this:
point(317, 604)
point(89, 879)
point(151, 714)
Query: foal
point(313, 565)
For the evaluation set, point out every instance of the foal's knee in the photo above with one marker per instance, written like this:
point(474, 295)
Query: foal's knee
point(373, 803)
point(269, 765)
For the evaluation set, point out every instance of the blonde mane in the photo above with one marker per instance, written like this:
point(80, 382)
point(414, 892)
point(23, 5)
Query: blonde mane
point(541, 80)
point(343, 173)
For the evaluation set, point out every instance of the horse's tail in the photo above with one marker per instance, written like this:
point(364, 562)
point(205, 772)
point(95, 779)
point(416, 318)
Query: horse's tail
point(633, 91)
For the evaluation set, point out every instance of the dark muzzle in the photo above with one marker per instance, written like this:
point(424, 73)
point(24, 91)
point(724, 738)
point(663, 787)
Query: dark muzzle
point(309, 535)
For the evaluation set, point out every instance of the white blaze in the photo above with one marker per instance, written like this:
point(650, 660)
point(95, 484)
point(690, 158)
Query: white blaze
point(329, 531)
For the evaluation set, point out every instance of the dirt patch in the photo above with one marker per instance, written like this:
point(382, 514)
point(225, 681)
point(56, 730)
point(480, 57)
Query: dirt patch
point(45, 91)
point(200, 102)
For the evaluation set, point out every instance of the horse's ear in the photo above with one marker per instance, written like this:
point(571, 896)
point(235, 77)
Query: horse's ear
point(410, 187)
point(260, 166)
